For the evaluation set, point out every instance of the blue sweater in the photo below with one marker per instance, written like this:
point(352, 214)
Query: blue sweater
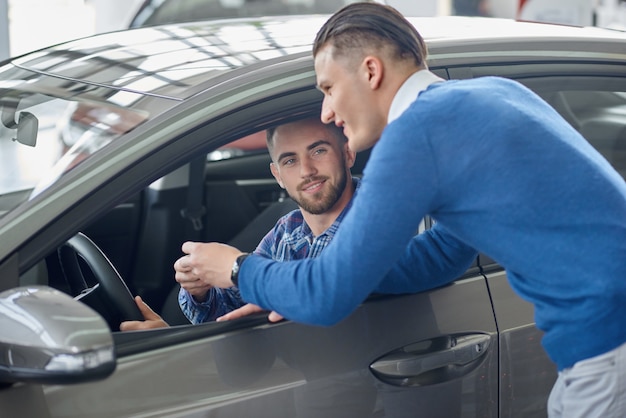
point(501, 172)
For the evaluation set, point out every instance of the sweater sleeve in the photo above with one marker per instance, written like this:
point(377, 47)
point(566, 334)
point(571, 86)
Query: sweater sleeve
point(433, 258)
point(399, 187)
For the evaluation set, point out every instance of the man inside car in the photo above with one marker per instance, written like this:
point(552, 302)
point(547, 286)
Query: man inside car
point(311, 161)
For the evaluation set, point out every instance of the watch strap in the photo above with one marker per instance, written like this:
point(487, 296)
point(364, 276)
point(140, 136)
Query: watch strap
point(234, 274)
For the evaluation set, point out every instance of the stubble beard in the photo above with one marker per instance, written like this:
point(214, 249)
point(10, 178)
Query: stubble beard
point(322, 201)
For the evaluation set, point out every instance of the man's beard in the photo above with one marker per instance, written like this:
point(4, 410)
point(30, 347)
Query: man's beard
point(317, 207)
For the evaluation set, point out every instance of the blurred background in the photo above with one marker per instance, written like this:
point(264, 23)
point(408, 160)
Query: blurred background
point(27, 25)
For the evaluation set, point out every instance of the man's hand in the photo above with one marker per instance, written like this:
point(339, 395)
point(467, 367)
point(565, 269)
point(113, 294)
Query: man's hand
point(246, 310)
point(194, 287)
point(205, 265)
point(152, 319)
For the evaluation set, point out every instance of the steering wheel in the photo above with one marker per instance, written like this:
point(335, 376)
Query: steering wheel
point(110, 296)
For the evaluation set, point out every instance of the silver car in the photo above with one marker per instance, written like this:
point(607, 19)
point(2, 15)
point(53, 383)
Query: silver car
point(115, 149)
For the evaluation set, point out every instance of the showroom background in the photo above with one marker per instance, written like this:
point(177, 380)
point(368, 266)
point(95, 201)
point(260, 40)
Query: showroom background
point(26, 25)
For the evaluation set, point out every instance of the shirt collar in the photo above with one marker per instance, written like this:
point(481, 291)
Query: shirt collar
point(409, 91)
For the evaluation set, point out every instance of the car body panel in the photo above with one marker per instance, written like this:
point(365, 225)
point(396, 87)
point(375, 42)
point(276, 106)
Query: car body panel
point(523, 365)
point(290, 363)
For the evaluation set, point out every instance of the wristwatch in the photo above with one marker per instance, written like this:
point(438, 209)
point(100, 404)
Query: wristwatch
point(234, 273)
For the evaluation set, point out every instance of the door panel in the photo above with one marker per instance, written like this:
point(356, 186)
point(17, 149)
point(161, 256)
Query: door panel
point(288, 369)
point(527, 374)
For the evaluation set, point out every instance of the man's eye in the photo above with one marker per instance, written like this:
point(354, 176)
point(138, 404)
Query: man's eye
point(289, 161)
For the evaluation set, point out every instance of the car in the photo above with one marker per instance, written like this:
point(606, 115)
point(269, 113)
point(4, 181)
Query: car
point(134, 124)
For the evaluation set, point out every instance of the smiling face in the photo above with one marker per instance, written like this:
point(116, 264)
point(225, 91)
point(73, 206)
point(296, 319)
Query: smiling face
point(363, 54)
point(312, 163)
point(350, 101)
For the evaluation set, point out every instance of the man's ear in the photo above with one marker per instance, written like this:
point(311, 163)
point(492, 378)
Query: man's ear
point(375, 70)
point(350, 156)
point(276, 175)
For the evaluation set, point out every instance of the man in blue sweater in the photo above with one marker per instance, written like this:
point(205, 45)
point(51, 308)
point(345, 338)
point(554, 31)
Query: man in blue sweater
point(496, 167)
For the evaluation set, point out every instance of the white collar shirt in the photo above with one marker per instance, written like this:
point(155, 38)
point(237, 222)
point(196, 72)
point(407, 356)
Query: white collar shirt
point(409, 91)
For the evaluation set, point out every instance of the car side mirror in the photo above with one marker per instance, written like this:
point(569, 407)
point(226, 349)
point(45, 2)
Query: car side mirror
point(49, 338)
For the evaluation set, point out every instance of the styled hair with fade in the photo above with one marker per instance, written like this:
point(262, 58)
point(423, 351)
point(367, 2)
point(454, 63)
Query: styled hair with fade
point(364, 25)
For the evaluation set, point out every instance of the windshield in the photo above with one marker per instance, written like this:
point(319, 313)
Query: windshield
point(43, 136)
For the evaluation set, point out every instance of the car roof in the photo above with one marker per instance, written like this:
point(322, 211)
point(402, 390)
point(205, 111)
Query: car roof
point(177, 61)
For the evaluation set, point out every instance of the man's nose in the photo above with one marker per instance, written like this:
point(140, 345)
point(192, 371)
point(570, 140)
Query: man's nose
point(327, 115)
point(307, 167)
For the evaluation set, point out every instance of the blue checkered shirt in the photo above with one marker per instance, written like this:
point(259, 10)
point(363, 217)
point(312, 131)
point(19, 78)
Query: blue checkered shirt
point(290, 239)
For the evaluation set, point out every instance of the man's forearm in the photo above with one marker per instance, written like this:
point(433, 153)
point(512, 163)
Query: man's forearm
point(433, 258)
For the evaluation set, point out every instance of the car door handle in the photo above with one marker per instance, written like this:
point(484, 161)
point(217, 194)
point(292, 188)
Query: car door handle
point(432, 361)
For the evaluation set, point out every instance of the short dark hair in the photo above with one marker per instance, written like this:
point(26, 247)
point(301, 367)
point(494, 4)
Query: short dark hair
point(364, 25)
point(331, 127)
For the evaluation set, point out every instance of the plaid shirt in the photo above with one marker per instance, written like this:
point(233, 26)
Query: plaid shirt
point(290, 239)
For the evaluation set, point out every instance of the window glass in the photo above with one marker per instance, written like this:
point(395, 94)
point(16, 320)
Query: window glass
point(250, 144)
point(596, 107)
point(43, 137)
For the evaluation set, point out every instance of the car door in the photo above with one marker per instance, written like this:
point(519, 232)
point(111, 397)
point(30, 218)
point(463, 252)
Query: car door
point(433, 352)
point(430, 354)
